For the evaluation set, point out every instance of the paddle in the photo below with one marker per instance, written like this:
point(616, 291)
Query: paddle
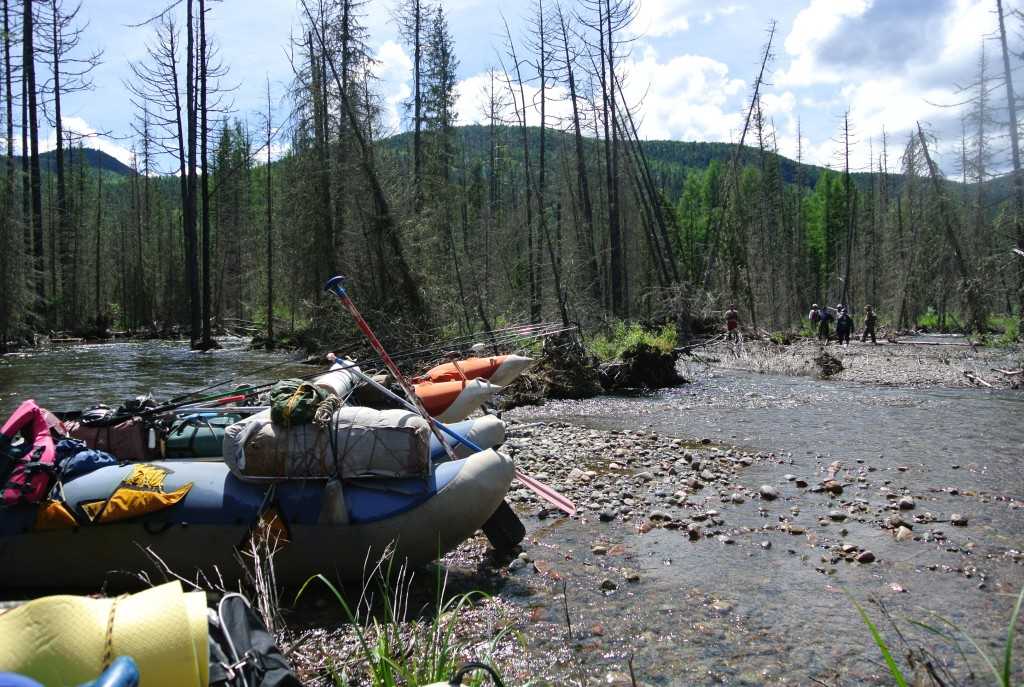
point(336, 286)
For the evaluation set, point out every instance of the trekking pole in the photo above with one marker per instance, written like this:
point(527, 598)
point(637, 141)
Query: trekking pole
point(336, 286)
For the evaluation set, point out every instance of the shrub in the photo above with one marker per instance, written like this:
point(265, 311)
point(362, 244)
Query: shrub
point(625, 336)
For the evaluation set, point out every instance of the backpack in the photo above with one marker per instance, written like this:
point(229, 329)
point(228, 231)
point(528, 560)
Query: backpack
point(294, 402)
point(813, 317)
point(242, 650)
point(29, 467)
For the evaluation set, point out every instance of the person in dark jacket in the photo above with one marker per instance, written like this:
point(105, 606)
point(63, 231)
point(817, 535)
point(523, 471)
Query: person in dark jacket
point(870, 321)
point(844, 326)
point(824, 328)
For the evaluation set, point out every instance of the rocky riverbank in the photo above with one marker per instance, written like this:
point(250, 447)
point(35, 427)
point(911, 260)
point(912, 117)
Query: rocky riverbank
point(916, 362)
point(707, 562)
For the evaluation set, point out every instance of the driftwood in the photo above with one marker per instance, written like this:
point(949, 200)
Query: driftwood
point(972, 344)
point(1008, 373)
point(976, 379)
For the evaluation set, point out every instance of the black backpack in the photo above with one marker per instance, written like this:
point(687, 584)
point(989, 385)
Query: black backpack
point(242, 650)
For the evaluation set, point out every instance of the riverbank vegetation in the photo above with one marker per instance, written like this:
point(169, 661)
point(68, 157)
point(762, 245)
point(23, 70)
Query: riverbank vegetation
point(225, 222)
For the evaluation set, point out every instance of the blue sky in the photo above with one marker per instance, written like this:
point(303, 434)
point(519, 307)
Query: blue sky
point(891, 62)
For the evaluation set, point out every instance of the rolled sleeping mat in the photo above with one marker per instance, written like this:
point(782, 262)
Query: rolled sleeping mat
point(500, 369)
point(454, 401)
point(486, 431)
point(65, 640)
point(359, 442)
point(338, 381)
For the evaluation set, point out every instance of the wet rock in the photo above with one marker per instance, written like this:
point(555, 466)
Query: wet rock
point(693, 531)
point(768, 492)
point(766, 545)
point(631, 575)
point(795, 529)
point(832, 487)
point(865, 557)
point(658, 515)
point(737, 498)
point(895, 521)
point(903, 533)
point(801, 483)
point(848, 548)
point(609, 585)
point(726, 539)
point(516, 564)
point(607, 516)
point(707, 476)
point(958, 519)
point(789, 478)
point(905, 503)
point(720, 606)
point(599, 550)
point(837, 515)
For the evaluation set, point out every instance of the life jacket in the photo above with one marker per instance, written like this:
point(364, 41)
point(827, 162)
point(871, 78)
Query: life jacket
point(32, 469)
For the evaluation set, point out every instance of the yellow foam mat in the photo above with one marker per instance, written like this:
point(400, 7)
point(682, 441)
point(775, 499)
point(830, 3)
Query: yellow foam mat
point(63, 640)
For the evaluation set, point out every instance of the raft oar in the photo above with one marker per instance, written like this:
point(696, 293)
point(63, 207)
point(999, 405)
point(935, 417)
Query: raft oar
point(336, 286)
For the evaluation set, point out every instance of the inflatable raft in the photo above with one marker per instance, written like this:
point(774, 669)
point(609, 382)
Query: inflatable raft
point(194, 515)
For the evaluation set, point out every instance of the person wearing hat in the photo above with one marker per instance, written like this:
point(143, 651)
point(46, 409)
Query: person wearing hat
point(870, 320)
point(844, 326)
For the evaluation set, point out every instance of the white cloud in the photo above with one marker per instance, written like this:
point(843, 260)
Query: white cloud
point(812, 28)
point(661, 17)
point(689, 97)
point(394, 71)
point(91, 138)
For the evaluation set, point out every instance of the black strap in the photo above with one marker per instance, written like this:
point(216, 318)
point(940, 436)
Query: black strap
point(469, 668)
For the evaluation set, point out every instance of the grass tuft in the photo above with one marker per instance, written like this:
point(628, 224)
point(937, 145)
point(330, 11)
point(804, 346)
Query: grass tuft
point(625, 336)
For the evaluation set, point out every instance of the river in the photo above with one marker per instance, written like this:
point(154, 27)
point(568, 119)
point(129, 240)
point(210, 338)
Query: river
point(756, 605)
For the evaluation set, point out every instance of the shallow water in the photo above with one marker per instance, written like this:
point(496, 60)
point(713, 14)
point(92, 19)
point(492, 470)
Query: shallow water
point(710, 613)
point(74, 377)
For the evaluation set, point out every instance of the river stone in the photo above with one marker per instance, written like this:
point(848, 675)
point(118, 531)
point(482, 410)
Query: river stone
point(608, 584)
point(801, 483)
point(737, 498)
point(656, 515)
point(905, 503)
point(707, 476)
point(599, 550)
point(516, 564)
point(693, 531)
point(789, 478)
point(631, 575)
point(865, 557)
point(903, 534)
point(832, 486)
point(766, 545)
point(958, 519)
point(837, 515)
point(722, 606)
point(606, 516)
point(795, 529)
point(768, 492)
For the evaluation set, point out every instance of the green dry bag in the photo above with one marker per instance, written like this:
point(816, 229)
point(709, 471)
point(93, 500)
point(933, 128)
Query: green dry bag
point(293, 402)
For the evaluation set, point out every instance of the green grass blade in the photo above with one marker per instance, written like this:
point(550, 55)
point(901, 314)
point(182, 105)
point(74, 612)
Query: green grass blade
point(977, 647)
point(1008, 658)
point(894, 669)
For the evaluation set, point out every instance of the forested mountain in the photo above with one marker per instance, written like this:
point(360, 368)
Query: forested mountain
point(462, 227)
point(97, 159)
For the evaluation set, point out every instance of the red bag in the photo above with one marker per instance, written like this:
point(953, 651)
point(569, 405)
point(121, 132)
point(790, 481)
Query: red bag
point(32, 474)
point(125, 440)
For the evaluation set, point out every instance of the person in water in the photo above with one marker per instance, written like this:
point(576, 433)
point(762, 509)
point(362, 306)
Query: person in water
point(844, 326)
point(870, 321)
point(732, 323)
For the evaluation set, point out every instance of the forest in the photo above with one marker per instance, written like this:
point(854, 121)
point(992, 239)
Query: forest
point(232, 221)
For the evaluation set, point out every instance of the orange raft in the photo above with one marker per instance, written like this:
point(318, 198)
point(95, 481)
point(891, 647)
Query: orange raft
point(454, 401)
point(499, 369)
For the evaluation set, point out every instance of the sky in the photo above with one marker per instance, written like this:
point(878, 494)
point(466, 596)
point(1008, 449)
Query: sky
point(891, 63)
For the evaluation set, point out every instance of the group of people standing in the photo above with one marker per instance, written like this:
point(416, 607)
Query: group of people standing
point(823, 316)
